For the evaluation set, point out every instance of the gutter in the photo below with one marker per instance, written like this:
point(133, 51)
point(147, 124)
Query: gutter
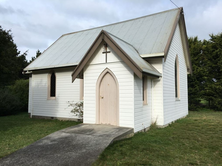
point(154, 55)
point(27, 72)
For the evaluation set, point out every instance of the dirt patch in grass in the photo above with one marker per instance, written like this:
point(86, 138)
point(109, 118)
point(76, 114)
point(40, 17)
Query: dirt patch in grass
point(194, 140)
point(19, 131)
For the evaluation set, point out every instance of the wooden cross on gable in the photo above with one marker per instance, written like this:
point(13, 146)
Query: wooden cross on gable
point(105, 52)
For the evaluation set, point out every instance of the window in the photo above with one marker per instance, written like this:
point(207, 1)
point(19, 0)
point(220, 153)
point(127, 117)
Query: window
point(52, 85)
point(177, 83)
point(144, 90)
point(81, 89)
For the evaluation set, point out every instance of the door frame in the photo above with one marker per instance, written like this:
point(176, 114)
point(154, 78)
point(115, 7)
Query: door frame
point(98, 83)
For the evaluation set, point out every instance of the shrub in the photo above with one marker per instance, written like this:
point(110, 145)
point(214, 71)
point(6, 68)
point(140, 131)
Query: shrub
point(9, 103)
point(194, 104)
point(77, 108)
point(21, 90)
point(14, 99)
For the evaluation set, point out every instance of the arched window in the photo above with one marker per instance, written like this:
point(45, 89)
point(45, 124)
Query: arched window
point(52, 85)
point(177, 83)
point(144, 90)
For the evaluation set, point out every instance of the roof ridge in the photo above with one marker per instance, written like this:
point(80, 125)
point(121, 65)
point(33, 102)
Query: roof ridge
point(120, 22)
point(123, 41)
point(128, 34)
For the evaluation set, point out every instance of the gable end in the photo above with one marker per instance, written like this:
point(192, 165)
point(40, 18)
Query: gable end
point(181, 21)
point(104, 36)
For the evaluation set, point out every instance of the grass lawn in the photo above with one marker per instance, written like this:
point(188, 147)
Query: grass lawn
point(18, 131)
point(195, 140)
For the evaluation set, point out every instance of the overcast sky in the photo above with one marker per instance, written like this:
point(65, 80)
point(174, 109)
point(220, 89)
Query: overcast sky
point(36, 24)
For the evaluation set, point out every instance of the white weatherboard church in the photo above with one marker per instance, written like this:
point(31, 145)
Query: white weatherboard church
point(131, 74)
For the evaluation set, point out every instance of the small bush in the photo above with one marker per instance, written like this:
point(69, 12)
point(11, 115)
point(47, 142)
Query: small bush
point(194, 104)
point(216, 104)
point(14, 99)
point(77, 108)
point(21, 90)
point(9, 103)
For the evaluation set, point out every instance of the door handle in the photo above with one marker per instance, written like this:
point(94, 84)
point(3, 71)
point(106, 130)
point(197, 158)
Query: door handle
point(101, 97)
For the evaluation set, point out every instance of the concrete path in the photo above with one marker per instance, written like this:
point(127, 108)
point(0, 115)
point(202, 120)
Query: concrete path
point(76, 145)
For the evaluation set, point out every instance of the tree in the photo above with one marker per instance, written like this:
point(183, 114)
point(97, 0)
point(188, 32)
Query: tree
point(196, 80)
point(22, 63)
point(38, 53)
point(213, 86)
point(206, 81)
point(11, 63)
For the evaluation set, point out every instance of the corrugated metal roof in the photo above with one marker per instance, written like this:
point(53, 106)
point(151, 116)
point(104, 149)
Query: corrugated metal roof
point(134, 55)
point(148, 35)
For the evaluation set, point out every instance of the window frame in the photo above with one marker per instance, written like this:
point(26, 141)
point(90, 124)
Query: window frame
point(49, 85)
point(81, 96)
point(177, 78)
point(144, 90)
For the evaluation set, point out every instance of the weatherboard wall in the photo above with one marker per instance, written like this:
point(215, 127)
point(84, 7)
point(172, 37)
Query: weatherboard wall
point(157, 93)
point(142, 112)
point(125, 78)
point(65, 91)
point(175, 108)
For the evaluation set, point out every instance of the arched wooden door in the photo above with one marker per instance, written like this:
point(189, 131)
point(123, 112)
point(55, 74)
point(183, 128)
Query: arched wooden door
point(108, 100)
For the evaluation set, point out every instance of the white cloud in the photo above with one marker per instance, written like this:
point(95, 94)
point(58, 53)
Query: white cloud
point(205, 21)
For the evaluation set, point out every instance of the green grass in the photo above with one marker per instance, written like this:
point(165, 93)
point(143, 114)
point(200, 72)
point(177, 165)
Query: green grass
point(194, 140)
point(18, 131)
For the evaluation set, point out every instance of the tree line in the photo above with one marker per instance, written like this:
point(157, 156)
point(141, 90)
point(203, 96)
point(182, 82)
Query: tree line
point(204, 85)
point(13, 84)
